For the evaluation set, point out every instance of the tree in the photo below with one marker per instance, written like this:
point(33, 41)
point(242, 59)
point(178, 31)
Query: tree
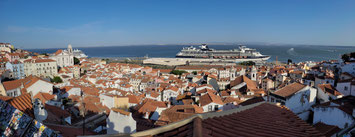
point(45, 54)
point(56, 79)
point(194, 72)
point(289, 61)
point(352, 54)
point(178, 72)
point(247, 63)
point(345, 57)
point(76, 61)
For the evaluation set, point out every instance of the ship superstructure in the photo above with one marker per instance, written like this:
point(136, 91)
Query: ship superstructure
point(242, 53)
point(79, 54)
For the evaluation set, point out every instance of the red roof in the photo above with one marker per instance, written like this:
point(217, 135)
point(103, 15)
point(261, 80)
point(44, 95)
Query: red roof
point(23, 103)
point(205, 90)
point(328, 130)
point(27, 82)
point(69, 131)
point(328, 88)
point(58, 52)
point(210, 98)
point(44, 97)
point(251, 85)
point(40, 60)
point(149, 105)
point(133, 99)
point(123, 112)
point(5, 98)
point(289, 90)
point(260, 120)
point(178, 112)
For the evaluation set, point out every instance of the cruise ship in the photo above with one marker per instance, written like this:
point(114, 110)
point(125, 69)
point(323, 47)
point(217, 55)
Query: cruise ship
point(241, 54)
point(79, 54)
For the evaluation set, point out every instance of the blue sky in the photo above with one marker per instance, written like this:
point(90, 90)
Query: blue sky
point(50, 24)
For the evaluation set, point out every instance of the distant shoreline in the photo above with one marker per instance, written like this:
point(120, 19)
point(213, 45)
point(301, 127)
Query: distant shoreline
point(283, 53)
point(194, 44)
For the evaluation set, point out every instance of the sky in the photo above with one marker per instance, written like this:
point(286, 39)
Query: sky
point(87, 23)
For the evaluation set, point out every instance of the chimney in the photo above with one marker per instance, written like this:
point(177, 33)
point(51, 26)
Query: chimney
point(22, 85)
point(146, 116)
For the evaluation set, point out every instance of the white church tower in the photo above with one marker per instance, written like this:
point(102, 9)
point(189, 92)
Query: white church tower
point(70, 49)
point(253, 73)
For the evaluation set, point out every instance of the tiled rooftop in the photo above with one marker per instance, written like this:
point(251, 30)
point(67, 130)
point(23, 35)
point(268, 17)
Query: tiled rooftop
point(289, 90)
point(23, 103)
point(262, 119)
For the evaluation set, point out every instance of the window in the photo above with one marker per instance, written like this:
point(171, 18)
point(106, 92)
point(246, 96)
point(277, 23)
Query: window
point(209, 107)
point(216, 107)
point(345, 88)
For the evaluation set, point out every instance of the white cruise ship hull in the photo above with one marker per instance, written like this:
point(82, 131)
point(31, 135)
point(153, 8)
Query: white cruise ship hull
point(183, 61)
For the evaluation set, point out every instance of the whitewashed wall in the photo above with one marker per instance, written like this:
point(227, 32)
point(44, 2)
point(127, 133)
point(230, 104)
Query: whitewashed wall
point(332, 116)
point(40, 86)
point(294, 102)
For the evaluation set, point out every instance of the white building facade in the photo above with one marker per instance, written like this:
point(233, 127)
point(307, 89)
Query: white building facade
point(40, 67)
point(64, 58)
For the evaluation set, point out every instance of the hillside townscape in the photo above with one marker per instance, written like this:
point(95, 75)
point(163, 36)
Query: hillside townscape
point(67, 93)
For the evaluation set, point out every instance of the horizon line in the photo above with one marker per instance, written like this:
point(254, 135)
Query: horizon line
point(195, 44)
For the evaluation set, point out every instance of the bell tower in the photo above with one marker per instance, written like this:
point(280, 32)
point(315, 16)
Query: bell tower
point(253, 73)
point(70, 49)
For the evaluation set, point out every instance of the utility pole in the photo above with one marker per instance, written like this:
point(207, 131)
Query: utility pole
point(84, 119)
point(83, 110)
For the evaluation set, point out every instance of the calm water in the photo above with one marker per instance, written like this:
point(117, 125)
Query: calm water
point(296, 53)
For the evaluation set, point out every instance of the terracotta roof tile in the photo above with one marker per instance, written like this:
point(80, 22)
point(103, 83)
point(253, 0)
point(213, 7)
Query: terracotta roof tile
point(123, 112)
point(205, 90)
point(57, 111)
point(75, 98)
point(251, 85)
point(5, 98)
point(262, 120)
point(27, 82)
point(9, 85)
point(346, 104)
point(58, 52)
point(69, 131)
point(44, 97)
point(231, 100)
point(329, 89)
point(328, 130)
point(149, 105)
point(209, 98)
point(177, 113)
point(23, 103)
point(252, 101)
point(289, 90)
point(133, 99)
